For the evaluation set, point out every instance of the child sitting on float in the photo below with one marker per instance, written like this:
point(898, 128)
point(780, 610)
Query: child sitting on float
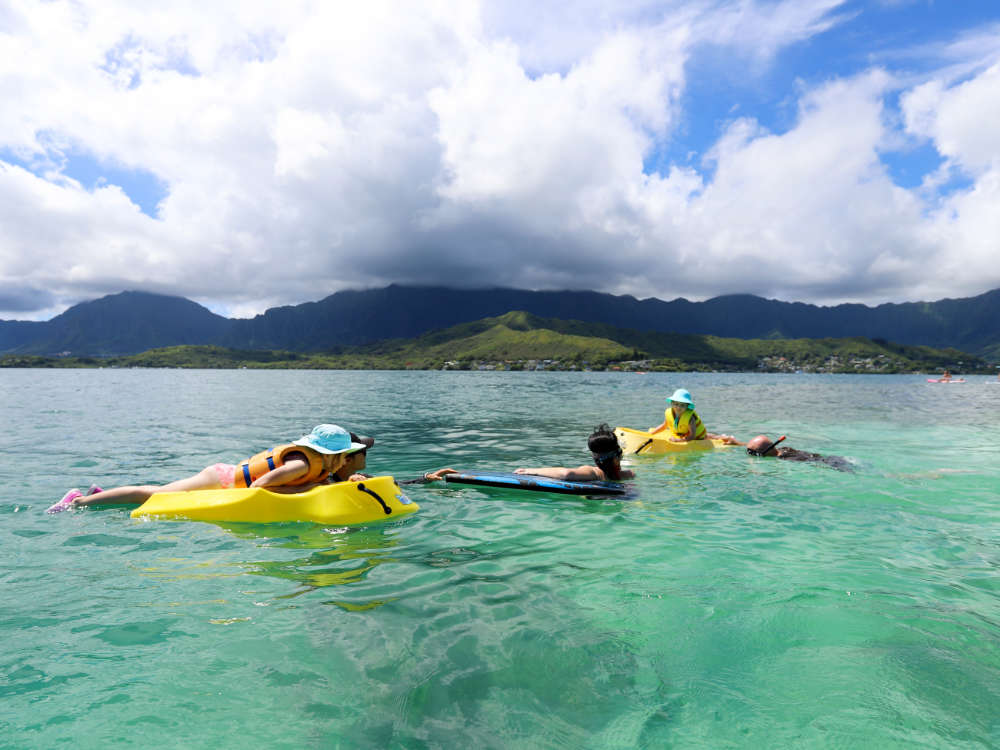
point(683, 421)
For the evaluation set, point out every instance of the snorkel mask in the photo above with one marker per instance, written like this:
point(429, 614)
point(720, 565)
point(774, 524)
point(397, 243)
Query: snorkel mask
point(602, 459)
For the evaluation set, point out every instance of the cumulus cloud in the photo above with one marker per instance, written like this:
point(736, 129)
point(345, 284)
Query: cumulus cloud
point(954, 118)
point(812, 209)
point(334, 146)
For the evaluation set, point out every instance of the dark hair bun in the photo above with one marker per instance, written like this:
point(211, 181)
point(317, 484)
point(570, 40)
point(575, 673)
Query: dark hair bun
point(602, 440)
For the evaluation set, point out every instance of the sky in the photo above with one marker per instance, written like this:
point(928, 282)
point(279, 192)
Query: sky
point(250, 154)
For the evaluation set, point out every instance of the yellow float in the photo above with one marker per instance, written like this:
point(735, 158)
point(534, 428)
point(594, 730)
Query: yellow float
point(642, 443)
point(341, 504)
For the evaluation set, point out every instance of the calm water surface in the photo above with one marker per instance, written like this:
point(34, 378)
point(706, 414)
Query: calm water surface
point(735, 602)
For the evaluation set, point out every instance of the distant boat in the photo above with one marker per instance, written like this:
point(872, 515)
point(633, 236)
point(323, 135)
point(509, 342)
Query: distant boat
point(943, 380)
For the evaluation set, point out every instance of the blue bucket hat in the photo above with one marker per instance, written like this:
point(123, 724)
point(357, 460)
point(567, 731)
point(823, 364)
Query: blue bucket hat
point(683, 397)
point(329, 438)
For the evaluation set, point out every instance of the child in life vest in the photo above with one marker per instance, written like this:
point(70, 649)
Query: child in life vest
point(683, 422)
point(681, 419)
point(293, 467)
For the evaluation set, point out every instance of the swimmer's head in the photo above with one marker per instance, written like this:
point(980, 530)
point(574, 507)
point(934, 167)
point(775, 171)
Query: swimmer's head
point(604, 446)
point(762, 445)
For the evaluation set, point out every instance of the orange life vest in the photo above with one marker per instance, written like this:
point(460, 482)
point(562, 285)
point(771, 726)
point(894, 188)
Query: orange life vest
point(265, 461)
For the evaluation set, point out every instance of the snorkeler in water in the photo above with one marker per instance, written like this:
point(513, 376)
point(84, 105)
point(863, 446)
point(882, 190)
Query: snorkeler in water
point(762, 445)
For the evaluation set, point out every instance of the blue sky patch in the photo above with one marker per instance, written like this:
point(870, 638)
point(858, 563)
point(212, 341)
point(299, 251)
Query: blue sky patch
point(141, 186)
point(907, 168)
point(724, 85)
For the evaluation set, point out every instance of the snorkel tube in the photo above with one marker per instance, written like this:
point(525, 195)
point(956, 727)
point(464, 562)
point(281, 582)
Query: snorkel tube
point(764, 451)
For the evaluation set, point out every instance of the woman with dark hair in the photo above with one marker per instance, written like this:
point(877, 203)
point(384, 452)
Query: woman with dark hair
point(603, 447)
point(607, 454)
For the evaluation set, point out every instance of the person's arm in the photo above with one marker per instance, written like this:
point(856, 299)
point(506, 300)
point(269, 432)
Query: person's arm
point(579, 474)
point(659, 428)
point(727, 439)
point(291, 470)
point(434, 476)
point(430, 476)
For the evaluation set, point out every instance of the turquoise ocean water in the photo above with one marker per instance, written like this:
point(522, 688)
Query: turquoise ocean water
point(734, 602)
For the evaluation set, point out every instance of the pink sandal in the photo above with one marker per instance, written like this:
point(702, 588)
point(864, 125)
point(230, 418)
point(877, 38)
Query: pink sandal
point(67, 501)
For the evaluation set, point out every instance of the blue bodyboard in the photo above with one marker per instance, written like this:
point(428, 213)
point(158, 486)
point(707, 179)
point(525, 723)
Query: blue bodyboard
point(537, 484)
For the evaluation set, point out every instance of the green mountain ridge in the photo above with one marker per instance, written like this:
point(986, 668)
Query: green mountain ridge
point(514, 336)
point(518, 340)
point(134, 322)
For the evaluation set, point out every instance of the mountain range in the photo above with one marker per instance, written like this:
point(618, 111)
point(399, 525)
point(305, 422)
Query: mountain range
point(132, 322)
point(521, 341)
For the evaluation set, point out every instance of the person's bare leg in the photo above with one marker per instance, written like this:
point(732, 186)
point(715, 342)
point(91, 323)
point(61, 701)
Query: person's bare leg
point(206, 479)
point(128, 495)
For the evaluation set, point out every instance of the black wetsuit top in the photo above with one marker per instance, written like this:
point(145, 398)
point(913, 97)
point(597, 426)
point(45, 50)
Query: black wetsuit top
point(793, 454)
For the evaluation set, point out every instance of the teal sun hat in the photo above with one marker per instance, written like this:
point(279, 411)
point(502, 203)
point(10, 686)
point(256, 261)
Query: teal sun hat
point(682, 396)
point(329, 438)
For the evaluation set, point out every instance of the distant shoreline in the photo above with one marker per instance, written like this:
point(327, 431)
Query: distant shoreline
point(24, 362)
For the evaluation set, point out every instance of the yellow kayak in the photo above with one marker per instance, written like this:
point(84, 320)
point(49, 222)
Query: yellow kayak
point(375, 499)
point(640, 442)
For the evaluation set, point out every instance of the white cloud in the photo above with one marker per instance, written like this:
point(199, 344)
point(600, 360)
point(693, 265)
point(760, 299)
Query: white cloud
point(761, 30)
point(960, 121)
point(341, 145)
point(956, 119)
